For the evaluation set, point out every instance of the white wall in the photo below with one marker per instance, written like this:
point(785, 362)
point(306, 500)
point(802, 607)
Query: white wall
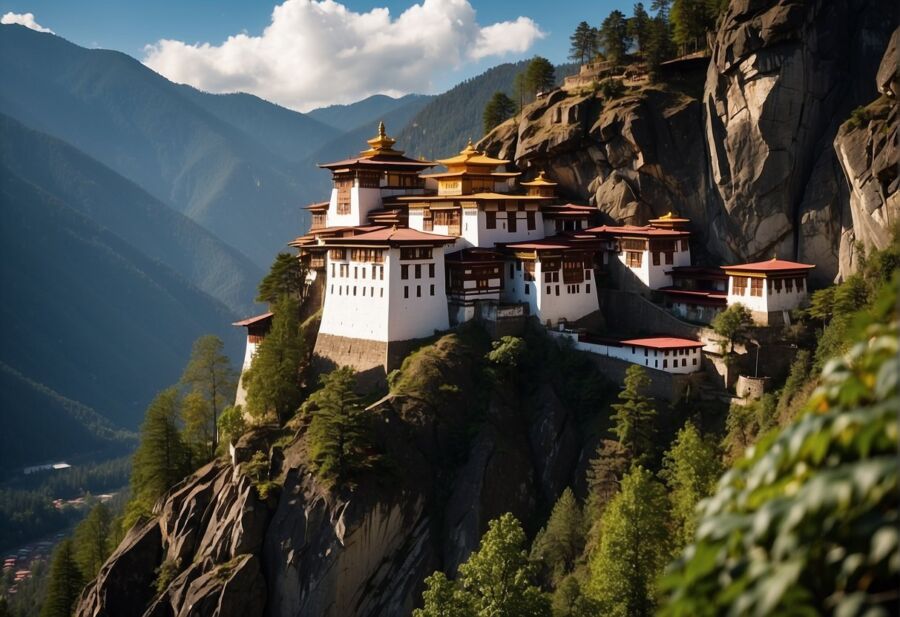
point(757, 304)
point(785, 300)
point(572, 303)
point(356, 316)
point(654, 276)
point(417, 317)
point(477, 233)
point(362, 201)
point(679, 361)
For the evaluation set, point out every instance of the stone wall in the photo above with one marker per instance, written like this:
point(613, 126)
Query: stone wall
point(752, 388)
point(636, 315)
point(368, 358)
point(663, 385)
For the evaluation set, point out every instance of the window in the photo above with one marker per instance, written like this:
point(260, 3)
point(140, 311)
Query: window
point(355, 272)
point(670, 256)
point(490, 219)
point(800, 282)
point(739, 285)
point(587, 275)
point(367, 255)
point(665, 364)
point(756, 287)
point(418, 252)
point(527, 290)
point(548, 290)
point(789, 285)
point(431, 271)
point(684, 362)
point(418, 291)
point(331, 289)
point(343, 186)
point(405, 291)
point(333, 269)
point(633, 259)
point(354, 290)
point(427, 221)
point(371, 292)
point(777, 285)
point(557, 290)
point(512, 271)
point(655, 258)
point(695, 361)
point(337, 254)
point(511, 221)
point(364, 291)
point(432, 290)
point(529, 217)
point(588, 288)
point(381, 292)
point(418, 271)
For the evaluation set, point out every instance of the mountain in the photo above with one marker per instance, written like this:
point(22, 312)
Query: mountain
point(145, 128)
point(443, 126)
point(360, 113)
point(288, 134)
point(112, 202)
point(88, 315)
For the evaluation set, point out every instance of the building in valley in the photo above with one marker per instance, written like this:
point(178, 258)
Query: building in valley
point(770, 289)
point(663, 353)
point(648, 253)
point(697, 294)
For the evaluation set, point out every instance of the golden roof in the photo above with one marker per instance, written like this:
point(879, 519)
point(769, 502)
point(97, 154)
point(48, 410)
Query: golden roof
point(470, 156)
point(541, 180)
point(381, 144)
point(670, 216)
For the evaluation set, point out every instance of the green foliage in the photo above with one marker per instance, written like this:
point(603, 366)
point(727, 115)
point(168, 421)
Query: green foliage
point(92, 541)
point(274, 380)
point(604, 474)
point(733, 324)
point(494, 582)
point(639, 26)
point(498, 109)
point(212, 382)
point(538, 76)
point(745, 423)
point(165, 574)
point(231, 424)
point(634, 548)
point(286, 277)
point(859, 117)
point(611, 89)
point(797, 380)
point(507, 353)
point(560, 543)
point(65, 583)
point(569, 600)
point(162, 458)
point(658, 47)
point(691, 468)
point(807, 523)
point(583, 43)
point(635, 416)
point(692, 19)
point(341, 446)
point(613, 37)
point(257, 469)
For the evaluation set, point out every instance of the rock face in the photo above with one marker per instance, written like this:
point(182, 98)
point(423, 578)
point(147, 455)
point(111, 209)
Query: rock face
point(215, 548)
point(751, 158)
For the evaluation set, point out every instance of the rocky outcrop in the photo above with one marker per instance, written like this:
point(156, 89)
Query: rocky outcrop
point(869, 152)
point(751, 158)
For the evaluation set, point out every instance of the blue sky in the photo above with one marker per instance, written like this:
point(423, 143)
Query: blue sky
point(130, 26)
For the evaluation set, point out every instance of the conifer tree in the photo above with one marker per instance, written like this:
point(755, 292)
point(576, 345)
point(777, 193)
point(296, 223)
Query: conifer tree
point(199, 435)
point(91, 541)
point(604, 475)
point(273, 382)
point(209, 374)
point(635, 416)
point(286, 277)
point(4, 607)
point(658, 47)
point(498, 109)
point(65, 582)
point(443, 598)
point(560, 543)
point(614, 37)
point(161, 459)
point(569, 600)
point(583, 43)
point(340, 444)
point(634, 548)
point(231, 424)
point(691, 468)
point(639, 26)
point(539, 76)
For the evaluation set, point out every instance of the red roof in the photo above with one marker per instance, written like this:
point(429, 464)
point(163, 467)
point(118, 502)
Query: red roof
point(322, 205)
point(663, 342)
point(634, 230)
point(772, 265)
point(252, 320)
point(698, 296)
point(386, 235)
point(379, 161)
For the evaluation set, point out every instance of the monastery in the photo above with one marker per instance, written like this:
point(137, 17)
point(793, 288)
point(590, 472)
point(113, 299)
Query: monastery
point(401, 254)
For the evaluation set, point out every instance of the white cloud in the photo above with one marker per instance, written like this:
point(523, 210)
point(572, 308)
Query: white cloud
point(24, 19)
point(318, 52)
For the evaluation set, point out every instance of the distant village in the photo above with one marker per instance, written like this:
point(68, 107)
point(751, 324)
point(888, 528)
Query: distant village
point(397, 254)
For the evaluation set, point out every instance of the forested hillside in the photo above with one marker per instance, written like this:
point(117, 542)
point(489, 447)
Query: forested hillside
point(89, 316)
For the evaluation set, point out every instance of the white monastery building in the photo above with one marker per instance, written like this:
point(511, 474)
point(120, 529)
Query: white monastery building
point(400, 255)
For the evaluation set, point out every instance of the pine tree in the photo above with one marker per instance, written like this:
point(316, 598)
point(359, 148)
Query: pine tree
point(691, 468)
point(4, 607)
point(540, 75)
point(639, 26)
point(443, 598)
point(339, 441)
point(498, 575)
point(634, 548)
point(91, 541)
point(733, 324)
point(209, 374)
point(569, 600)
point(658, 47)
point(161, 460)
point(65, 583)
point(583, 43)
point(286, 277)
point(231, 424)
point(273, 382)
point(614, 38)
point(199, 436)
point(635, 416)
point(604, 475)
point(498, 109)
point(561, 541)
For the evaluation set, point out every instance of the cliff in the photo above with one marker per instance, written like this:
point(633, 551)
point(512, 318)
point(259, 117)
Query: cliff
point(453, 459)
point(750, 156)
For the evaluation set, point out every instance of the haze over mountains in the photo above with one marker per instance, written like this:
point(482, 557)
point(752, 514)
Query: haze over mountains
point(141, 214)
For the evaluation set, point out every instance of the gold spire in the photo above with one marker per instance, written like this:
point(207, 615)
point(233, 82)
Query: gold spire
point(381, 144)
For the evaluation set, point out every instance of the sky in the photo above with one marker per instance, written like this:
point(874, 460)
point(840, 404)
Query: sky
point(309, 53)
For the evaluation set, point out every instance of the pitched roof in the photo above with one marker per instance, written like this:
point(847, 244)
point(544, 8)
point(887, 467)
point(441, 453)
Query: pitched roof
point(540, 180)
point(663, 342)
point(772, 265)
point(389, 235)
point(634, 230)
point(470, 156)
point(322, 205)
point(252, 320)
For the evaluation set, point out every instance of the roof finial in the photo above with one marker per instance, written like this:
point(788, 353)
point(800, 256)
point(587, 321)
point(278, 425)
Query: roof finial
point(381, 131)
